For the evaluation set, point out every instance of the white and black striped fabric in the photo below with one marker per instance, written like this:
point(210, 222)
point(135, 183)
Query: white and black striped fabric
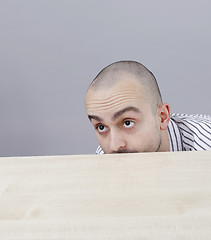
point(187, 133)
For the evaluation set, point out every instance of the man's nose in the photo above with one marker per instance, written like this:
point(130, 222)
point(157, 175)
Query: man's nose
point(117, 142)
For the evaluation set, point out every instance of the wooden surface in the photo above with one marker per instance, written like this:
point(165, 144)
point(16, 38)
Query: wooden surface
point(127, 196)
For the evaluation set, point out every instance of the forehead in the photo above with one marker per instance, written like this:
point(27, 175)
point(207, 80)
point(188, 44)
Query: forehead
point(124, 93)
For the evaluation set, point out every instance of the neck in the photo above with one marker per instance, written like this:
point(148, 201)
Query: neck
point(164, 141)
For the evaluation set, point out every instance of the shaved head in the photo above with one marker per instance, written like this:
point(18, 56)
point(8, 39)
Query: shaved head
point(114, 73)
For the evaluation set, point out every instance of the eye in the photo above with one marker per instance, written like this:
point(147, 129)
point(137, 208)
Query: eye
point(101, 128)
point(128, 124)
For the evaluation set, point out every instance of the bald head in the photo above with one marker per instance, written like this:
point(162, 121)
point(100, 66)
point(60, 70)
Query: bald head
point(113, 73)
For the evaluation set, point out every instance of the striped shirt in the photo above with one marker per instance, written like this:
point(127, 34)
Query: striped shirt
point(187, 133)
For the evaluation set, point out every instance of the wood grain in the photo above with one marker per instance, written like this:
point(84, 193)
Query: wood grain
point(121, 196)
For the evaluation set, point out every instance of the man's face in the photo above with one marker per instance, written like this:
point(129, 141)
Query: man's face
point(123, 118)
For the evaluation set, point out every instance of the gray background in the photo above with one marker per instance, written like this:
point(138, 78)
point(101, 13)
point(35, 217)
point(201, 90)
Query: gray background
point(50, 50)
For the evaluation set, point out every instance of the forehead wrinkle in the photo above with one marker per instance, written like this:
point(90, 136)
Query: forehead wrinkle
point(101, 96)
point(116, 94)
point(113, 101)
point(106, 106)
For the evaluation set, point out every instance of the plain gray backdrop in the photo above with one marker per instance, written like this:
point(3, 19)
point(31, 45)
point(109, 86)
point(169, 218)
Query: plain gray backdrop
point(50, 51)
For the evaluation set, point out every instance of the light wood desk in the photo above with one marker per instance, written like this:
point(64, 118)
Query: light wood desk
point(98, 197)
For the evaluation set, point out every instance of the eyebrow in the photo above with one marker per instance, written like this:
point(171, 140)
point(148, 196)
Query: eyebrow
point(127, 109)
point(95, 117)
point(116, 115)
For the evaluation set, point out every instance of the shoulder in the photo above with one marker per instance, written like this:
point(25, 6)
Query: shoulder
point(193, 121)
point(99, 150)
point(196, 117)
point(195, 129)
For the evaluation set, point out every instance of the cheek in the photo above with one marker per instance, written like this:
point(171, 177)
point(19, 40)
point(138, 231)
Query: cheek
point(152, 138)
point(103, 142)
point(146, 135)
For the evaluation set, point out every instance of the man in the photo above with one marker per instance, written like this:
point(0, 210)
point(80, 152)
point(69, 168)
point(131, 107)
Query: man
point(125, 107)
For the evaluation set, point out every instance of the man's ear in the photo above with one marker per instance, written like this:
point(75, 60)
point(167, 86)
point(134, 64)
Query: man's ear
point(164, 115)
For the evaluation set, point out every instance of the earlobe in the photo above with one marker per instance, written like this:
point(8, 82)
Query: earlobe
point(164, 114)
